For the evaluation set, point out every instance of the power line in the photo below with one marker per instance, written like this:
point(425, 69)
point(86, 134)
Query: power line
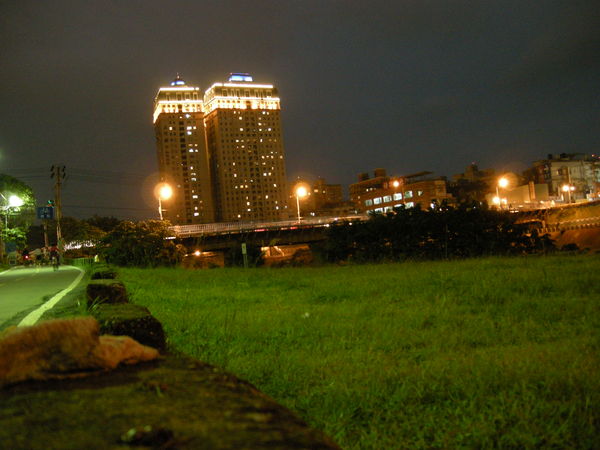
point(28, 172)
point(107, 207)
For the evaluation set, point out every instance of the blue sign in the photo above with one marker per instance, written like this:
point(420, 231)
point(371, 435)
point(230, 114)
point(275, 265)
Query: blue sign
point(45, 212)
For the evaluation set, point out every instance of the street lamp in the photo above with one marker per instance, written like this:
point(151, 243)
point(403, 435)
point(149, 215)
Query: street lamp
point(300, 191)
point(14, 201)
point(163, 192)
point(502, 183)
point(568, 189)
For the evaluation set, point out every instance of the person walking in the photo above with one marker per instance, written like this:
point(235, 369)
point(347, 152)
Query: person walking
point(54, 257)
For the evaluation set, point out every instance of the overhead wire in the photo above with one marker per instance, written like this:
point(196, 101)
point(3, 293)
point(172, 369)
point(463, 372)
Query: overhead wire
point(76, 175)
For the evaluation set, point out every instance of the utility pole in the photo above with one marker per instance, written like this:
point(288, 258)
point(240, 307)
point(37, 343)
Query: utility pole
point(58, 173)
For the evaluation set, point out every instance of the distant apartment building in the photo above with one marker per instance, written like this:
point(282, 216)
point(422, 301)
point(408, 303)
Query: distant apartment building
point(472, 174)
point(578, 171)
point(245, 148)
point(473, 184)
point(222, 152)
point(520, 196)
point(181, 152)
point(326, 195)
point(383, 193)
point(321, 199)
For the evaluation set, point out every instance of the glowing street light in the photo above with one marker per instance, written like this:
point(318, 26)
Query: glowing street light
point(502, 183)
point(14, 201)
point(568, 188)
point(163, 192)
point(300, 191)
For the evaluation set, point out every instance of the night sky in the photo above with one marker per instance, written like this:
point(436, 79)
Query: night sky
point(404, 85)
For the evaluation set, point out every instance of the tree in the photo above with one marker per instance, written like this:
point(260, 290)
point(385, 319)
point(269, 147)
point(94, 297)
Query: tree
point(141, 244)
point(470, 230)
point(104, 223)
point(467, 191)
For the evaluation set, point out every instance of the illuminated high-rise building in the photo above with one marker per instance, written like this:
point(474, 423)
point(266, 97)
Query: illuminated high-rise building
point(245, 148)
point(182, 155)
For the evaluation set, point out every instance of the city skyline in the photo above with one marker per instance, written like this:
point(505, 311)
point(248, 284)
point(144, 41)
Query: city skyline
point(407, 86)
point(222, 153)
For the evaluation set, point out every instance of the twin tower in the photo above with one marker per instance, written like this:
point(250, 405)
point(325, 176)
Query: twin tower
point(221, 152)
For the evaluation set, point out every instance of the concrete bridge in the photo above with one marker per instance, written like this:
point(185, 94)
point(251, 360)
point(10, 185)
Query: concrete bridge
point(216, 236)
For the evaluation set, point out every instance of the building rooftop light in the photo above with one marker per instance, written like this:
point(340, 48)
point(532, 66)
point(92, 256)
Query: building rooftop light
point(177, 81)
point(240, 77)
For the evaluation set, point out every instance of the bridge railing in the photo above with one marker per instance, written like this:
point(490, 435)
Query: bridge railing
point(244, 227)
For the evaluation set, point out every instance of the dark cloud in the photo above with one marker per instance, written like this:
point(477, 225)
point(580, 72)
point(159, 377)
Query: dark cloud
point(406, 85)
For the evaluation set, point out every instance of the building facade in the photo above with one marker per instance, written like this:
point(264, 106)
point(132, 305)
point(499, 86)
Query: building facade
point(182, 155)
point(383, 193)
point(579, 172)
point(221, 152)
point(321, 199)
point(245, 150)
point(326, 195)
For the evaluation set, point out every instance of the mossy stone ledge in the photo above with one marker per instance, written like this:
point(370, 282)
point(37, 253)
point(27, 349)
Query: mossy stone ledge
point(105, 291)
point(131, 320)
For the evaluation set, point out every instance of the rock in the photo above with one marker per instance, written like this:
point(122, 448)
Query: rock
point(105, 291)
point(130, 320)
point(64, 348)
point(104, 273)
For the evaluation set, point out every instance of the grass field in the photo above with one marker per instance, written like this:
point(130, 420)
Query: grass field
point(476, 353)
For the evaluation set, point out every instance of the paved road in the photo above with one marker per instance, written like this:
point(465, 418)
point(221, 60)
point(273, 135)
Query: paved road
point(23, 289)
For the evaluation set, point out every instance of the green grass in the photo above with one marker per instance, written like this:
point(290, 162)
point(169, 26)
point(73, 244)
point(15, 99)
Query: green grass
point(477, 353)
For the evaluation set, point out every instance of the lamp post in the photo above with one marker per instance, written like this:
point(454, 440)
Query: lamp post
point(163, 192)
point(502, 183)
point(568, 188)
point(300, 191)
point(14, 201)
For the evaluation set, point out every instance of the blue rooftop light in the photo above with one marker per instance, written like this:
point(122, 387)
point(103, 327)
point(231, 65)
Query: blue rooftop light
point(177, 81)
point(240, 77)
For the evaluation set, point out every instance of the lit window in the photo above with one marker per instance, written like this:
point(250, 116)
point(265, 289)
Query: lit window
point(398, 196)
point(419, 193)
point(387, 198)
point(408, 194)
point(410, 204)
point(368, 202)
point(377, 200)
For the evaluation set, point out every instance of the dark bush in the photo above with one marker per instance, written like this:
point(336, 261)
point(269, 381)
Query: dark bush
point(445, 232)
